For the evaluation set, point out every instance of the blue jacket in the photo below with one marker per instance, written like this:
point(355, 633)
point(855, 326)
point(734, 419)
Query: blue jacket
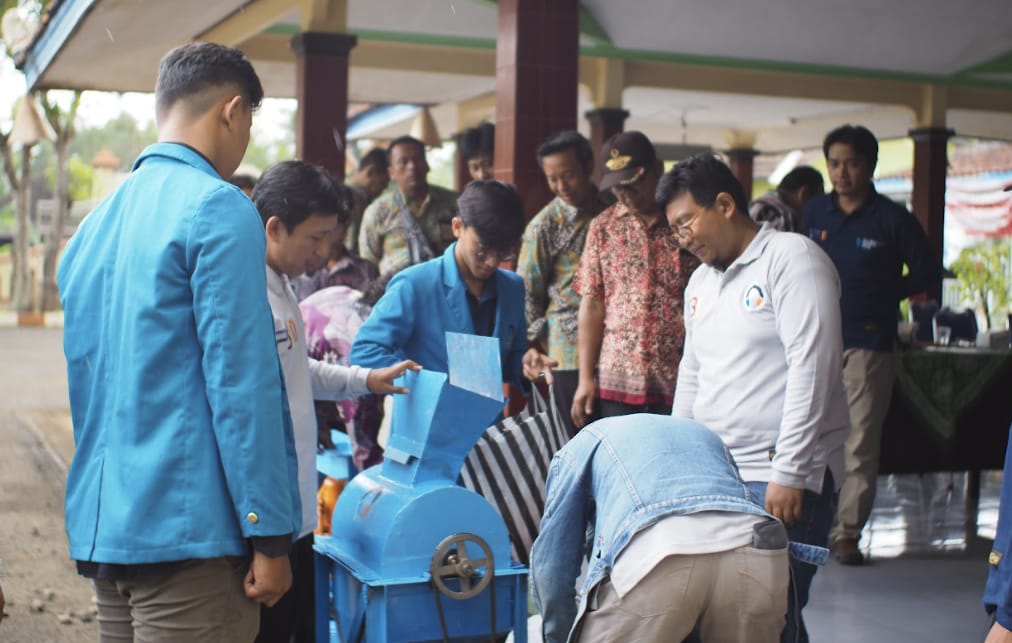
point(424, 302)
point(184, 440)
point(869, 248)
point(998, 589)
point(619, 476)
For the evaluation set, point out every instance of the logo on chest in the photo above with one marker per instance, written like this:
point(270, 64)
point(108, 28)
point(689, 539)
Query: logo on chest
point(754, 298)
point(285, 334)
point(864, 243)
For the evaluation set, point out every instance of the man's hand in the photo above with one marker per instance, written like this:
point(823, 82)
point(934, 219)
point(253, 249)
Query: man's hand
point(381, 380)
point(583, 402)
point(537, 364)
point(784, 502)
point(998, 634)
point(267, 579)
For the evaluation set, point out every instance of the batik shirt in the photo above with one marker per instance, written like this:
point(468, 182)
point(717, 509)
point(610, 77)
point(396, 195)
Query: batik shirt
point(549, 259)
point(349, 271)
point(359, 202)
point(770, 208)
point(332, 317)
point(640, 278)
point(382, 239)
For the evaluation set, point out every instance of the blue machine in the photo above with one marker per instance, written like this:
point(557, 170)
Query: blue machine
point(414, 556)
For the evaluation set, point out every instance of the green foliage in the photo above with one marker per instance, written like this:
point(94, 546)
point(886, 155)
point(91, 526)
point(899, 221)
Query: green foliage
point(985, 278)
point(123, 135)
point(82, 176)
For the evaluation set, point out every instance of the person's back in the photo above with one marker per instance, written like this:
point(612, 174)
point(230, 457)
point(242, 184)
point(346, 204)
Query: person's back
point(665, 508)
point(184, 452)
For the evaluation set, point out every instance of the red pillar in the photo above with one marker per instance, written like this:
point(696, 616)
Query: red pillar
point(928, 198)
point(321, 87)
point(741, 160)
point(537, 59)
point(461, 175)
point(604, 123)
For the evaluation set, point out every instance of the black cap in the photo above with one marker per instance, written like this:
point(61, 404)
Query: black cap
point(625, 158)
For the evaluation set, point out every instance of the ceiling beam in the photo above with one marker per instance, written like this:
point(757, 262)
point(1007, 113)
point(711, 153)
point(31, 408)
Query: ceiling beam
point(777, 84)
point(247, 21)
point(384, 55)
point(329, 16)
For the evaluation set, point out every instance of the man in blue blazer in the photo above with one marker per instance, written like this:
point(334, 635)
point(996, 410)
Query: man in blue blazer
point(464, 291)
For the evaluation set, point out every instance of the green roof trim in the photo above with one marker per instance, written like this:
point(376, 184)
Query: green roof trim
point(998, 65)
point(604, 50)
point(592, 29)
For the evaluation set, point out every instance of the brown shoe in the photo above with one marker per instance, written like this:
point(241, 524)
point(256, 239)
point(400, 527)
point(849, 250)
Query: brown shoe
point(846, 552)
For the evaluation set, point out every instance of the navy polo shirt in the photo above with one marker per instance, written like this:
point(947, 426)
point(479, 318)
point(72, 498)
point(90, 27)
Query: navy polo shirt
point(870, 247)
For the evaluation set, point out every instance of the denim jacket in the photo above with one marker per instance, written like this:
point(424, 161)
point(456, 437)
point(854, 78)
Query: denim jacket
point(617, 477)
point(998, 590)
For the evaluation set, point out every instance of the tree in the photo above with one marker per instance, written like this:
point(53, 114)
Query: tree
point(63, 126)
point(985, 277)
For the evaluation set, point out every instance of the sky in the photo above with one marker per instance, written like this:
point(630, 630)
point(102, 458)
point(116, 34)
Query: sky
point(97, 108)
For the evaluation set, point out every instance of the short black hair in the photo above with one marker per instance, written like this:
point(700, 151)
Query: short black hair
point(803, 176)
point(243, 181)
point(857, 136)
point(495, 212)
point(294, 190)
point(199, 72)
point(376, 157)
point(476, 141)
point(704, 176)
point(403, 140)
point(568, 140)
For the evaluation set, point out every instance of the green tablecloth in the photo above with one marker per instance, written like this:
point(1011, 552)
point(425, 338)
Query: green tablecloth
point(936, 385)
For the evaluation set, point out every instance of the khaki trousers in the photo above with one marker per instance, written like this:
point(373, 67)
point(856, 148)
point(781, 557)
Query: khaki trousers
point(202, 602)
point(733, 596)
point(868, 378)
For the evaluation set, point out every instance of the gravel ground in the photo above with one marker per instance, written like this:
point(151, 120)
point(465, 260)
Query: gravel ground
point(46, 600)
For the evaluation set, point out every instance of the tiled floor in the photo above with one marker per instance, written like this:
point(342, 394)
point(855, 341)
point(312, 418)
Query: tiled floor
point(926, 570)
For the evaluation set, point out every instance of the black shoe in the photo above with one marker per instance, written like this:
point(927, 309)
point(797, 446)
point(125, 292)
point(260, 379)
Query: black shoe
point(846, 552)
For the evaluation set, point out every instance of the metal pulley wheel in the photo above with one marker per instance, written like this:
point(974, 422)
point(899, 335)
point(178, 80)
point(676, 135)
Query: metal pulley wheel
point(451, 560)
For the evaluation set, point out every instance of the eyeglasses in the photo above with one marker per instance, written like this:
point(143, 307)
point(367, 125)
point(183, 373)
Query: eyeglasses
point(681, 233)
point(482, 254)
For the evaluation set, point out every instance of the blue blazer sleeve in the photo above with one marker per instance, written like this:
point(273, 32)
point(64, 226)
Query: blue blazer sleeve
point(381, 339)
point(998, 589)
point(244, 386)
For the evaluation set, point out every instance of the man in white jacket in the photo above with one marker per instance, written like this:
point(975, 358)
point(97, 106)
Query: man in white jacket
point(762, 364)
point(300, 204)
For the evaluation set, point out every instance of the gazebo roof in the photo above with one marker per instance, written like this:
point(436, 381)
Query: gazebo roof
point(774, 74)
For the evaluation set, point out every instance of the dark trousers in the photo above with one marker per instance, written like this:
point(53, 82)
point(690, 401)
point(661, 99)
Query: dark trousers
point(292, 619)
point(564, 385)
point(817, 511)
point(610, 408)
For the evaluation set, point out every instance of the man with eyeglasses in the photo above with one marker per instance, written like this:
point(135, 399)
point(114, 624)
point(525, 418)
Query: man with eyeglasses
point(463, 291)
point(763, 356)
point(631, 282)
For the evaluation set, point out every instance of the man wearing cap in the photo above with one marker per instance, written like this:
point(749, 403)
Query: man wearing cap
point(631, 281)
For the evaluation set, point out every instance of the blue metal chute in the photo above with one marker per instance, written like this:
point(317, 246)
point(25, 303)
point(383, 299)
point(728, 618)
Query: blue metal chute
point(408, 543)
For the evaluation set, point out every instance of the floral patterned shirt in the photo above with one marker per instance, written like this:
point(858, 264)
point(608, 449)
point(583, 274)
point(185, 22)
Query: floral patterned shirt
point(332, 317)
point(350, 271)
point(641, 278)
point(382, 239)
point(770, 208)
point(549, 259)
